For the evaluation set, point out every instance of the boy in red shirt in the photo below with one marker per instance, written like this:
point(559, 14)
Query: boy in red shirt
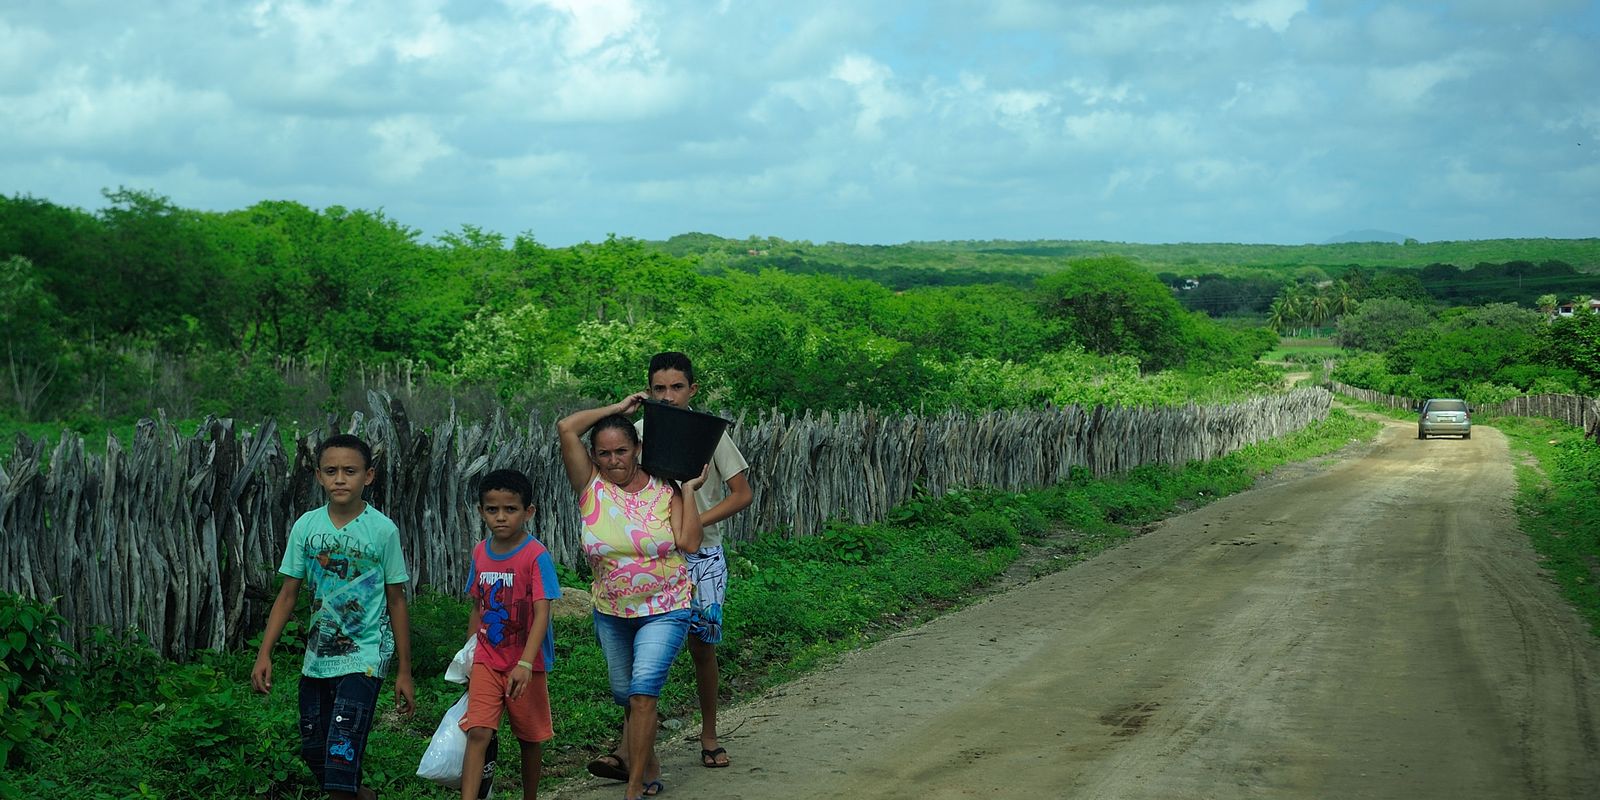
point(512, 582)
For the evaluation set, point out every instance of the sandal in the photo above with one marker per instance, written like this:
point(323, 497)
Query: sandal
point(708, 758)
point(609, 767)
point(653, 788)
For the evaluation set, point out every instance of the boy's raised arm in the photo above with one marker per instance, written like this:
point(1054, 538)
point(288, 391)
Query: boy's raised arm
point(282, 609)
point(405, 693)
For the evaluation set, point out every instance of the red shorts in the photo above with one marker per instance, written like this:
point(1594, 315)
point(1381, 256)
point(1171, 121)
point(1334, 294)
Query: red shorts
point(529, 713)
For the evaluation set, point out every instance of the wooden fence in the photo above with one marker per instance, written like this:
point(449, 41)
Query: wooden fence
point(1375, 398)
point(180, 537)
point(1573, 409)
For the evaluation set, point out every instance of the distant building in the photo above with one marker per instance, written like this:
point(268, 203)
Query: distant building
point(1569, 308)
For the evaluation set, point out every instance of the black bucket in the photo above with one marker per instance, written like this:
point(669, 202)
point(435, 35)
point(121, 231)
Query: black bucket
point(678, 442)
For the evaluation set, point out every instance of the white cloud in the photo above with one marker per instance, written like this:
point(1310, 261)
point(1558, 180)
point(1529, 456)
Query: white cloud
point(1471, 187)
point(876, 100)
point(1274, 14)
point(1126, 28)
point(1126, 177)
point(1213, 174)
point(836, 120)
point(1407, 85)
point(1094, 94)
point(1129, 132)
point(22, 49)
point(70, 111)
point(406, 145)
point(598, 23)
point(535, 165)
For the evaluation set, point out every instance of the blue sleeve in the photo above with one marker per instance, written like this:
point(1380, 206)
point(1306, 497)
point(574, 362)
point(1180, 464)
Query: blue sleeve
point(547, 576)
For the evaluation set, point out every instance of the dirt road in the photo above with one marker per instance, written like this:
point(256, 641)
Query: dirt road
point(1374, 629)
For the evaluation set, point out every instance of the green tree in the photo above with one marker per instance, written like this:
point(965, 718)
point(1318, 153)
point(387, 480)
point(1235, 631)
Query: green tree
point(1112, 306)
point(1572, 343)
point(1379, 323)
point(29, 334)
point(511, 351)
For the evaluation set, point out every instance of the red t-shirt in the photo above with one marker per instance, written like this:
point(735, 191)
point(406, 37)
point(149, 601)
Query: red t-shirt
point(504, 588)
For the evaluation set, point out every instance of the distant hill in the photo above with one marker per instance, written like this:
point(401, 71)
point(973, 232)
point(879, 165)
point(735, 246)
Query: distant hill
point(1369, 235)
point(1020, 262)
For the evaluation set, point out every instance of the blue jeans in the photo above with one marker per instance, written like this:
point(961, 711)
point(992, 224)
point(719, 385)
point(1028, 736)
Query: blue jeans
point(335, 716)
point(640, 650)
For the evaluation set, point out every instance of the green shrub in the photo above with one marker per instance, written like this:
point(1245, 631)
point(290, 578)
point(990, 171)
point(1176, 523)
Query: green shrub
point(122, 665)
point(852, 544)
point(1072, 507)
point(38, 690)
point(438, 629)
point(1029, 521)
point(988, 529)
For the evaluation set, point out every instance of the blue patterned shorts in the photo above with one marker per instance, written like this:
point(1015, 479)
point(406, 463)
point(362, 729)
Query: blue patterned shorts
point(708, 570)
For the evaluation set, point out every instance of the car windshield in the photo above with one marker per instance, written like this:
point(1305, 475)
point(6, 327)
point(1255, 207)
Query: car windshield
point(1446, 405)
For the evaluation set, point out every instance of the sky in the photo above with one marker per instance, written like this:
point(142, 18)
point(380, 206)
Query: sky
point(865, 121)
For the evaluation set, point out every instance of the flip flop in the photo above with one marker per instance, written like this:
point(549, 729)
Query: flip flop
point(609, 767)
point(653, 788)
point(708, 758)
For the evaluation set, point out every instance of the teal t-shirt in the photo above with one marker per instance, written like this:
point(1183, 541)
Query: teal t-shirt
point(347, 569)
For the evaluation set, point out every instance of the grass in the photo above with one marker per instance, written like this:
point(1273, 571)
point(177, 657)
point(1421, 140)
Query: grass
point(195, 730)
point(1555, 505)
point(1303, 350)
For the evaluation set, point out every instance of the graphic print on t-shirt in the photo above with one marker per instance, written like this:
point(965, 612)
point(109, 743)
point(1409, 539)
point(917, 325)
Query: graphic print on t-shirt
point(345, 577)
point(495, 615)
point(504, 588)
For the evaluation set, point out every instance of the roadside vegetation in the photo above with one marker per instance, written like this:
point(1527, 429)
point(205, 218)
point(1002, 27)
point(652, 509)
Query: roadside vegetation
point(117, 721)
point(1483, 354)
point(1555, 498)
point(281, 310)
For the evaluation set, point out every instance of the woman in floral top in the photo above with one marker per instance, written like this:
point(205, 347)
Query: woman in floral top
point(636, 528)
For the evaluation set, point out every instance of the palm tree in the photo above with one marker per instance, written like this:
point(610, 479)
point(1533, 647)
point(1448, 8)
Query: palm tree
point(1277, 315)
point(1297, 305)
point(1317, 310)
point(1344, 299)
point(1547, 304)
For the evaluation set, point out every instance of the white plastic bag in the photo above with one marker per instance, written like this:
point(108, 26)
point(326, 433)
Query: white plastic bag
point(442, 762)
point(460, 668)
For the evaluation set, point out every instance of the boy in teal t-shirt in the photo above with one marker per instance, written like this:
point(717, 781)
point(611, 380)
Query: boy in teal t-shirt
point(350, 555)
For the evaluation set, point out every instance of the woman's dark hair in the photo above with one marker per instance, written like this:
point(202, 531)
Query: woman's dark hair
point(617, 421)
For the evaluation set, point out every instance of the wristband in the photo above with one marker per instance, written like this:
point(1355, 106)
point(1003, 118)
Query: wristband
point(525, 665)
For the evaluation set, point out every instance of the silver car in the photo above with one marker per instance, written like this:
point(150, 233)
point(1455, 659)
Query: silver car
point(1444, 416)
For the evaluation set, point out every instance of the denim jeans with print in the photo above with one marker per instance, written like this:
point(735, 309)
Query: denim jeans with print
point(335, 716)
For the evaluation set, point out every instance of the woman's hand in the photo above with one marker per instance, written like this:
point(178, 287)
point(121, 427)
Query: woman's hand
point(631, 403)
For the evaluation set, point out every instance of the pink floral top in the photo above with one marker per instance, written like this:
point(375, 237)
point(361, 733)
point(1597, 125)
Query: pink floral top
point(627, 537)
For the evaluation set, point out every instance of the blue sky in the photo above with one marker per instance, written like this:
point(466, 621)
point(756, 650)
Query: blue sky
point(1284, 121)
